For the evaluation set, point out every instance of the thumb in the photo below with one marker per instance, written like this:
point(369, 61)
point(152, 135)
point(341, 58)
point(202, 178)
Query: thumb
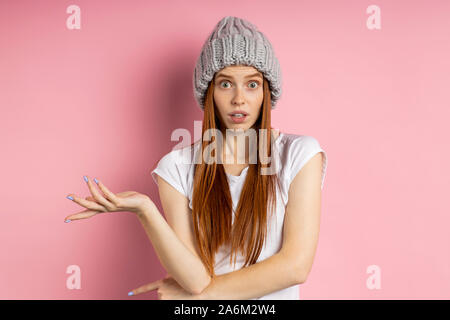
point(145, 288)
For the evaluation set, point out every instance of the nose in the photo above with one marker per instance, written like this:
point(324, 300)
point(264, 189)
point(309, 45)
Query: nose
point(238, 98)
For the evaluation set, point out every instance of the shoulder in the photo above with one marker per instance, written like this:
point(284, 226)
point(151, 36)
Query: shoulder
point(295, 146)
point(296, 150)
point(300, 142)
point(175, 167)
point(179, 156)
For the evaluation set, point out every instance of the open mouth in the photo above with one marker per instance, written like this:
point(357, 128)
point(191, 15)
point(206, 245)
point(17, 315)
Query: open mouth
point(238, 117)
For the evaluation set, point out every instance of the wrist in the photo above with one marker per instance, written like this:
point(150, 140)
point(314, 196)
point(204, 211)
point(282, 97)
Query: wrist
point(146, 209)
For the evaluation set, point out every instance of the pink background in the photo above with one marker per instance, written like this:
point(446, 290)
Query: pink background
point(102, 101)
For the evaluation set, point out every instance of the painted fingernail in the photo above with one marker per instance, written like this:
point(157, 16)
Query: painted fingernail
point(68, 220)
point(96, 181)
point(69, 197)
point(85, 178)
point(130, 293)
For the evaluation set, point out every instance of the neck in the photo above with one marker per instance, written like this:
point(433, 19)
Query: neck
point(235, 150)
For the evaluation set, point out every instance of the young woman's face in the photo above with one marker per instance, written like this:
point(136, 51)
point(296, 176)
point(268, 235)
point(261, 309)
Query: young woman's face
point(238, 89)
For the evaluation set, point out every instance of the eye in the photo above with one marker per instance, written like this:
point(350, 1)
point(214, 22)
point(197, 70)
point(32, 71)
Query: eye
point(223, 82)
point(257, 83)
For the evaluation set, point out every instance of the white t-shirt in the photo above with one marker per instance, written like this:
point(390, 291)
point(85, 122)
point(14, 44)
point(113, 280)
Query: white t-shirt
point(292, 153)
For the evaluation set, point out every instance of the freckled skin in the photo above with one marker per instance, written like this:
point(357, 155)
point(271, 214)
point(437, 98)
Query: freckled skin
point(239, 93)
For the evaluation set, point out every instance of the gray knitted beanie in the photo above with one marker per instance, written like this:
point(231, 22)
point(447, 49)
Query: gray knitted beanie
point(235, 41)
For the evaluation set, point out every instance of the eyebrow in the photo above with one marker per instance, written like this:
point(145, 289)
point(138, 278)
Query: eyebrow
point(229, 76)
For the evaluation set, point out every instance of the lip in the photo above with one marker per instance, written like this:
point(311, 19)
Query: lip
point(237, 120)
point(238, 111)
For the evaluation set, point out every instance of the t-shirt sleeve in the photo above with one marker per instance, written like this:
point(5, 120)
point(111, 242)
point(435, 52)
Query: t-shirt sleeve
point(302, 150)
point(171, 171)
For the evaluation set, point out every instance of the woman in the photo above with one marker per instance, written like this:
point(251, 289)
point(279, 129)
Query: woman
point(238, 226)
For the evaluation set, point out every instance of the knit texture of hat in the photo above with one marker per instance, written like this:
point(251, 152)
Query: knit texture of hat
point(235, 41)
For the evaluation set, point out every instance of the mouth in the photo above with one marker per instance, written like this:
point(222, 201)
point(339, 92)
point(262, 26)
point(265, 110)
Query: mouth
point(238, 116)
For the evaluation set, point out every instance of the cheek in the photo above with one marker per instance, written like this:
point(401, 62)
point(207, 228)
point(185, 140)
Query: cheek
point(257, 113)
point(257, 102)
point(220, 103)
point(256, 96)
point(222, 96)
point(219, 99)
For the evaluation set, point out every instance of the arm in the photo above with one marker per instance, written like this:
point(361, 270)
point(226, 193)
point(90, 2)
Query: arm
point(272, 274)
point(291, 265)
point(174, 244)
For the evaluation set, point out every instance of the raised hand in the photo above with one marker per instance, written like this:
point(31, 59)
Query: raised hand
point(106, 201)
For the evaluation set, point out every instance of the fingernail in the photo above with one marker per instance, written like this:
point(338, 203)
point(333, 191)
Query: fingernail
point(130, 293)
point(96, 181)
point(69, 197)
point(85, 178)
point(68, 220)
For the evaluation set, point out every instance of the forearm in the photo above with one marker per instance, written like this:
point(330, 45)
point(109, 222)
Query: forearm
point(272, 274)
point(186, 268)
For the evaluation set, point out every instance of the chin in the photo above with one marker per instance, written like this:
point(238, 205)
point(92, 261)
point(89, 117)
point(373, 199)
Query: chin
point(242, 126)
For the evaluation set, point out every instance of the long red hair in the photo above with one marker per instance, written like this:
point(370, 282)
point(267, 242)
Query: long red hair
point(212, 202)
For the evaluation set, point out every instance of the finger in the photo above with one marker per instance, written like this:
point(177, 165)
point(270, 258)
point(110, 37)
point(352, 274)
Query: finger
point(126, 193)
point(92, 205)
point(81, 215)
point(91, 199)
point(147, 287)
point(109, 195)
point(98, 197)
